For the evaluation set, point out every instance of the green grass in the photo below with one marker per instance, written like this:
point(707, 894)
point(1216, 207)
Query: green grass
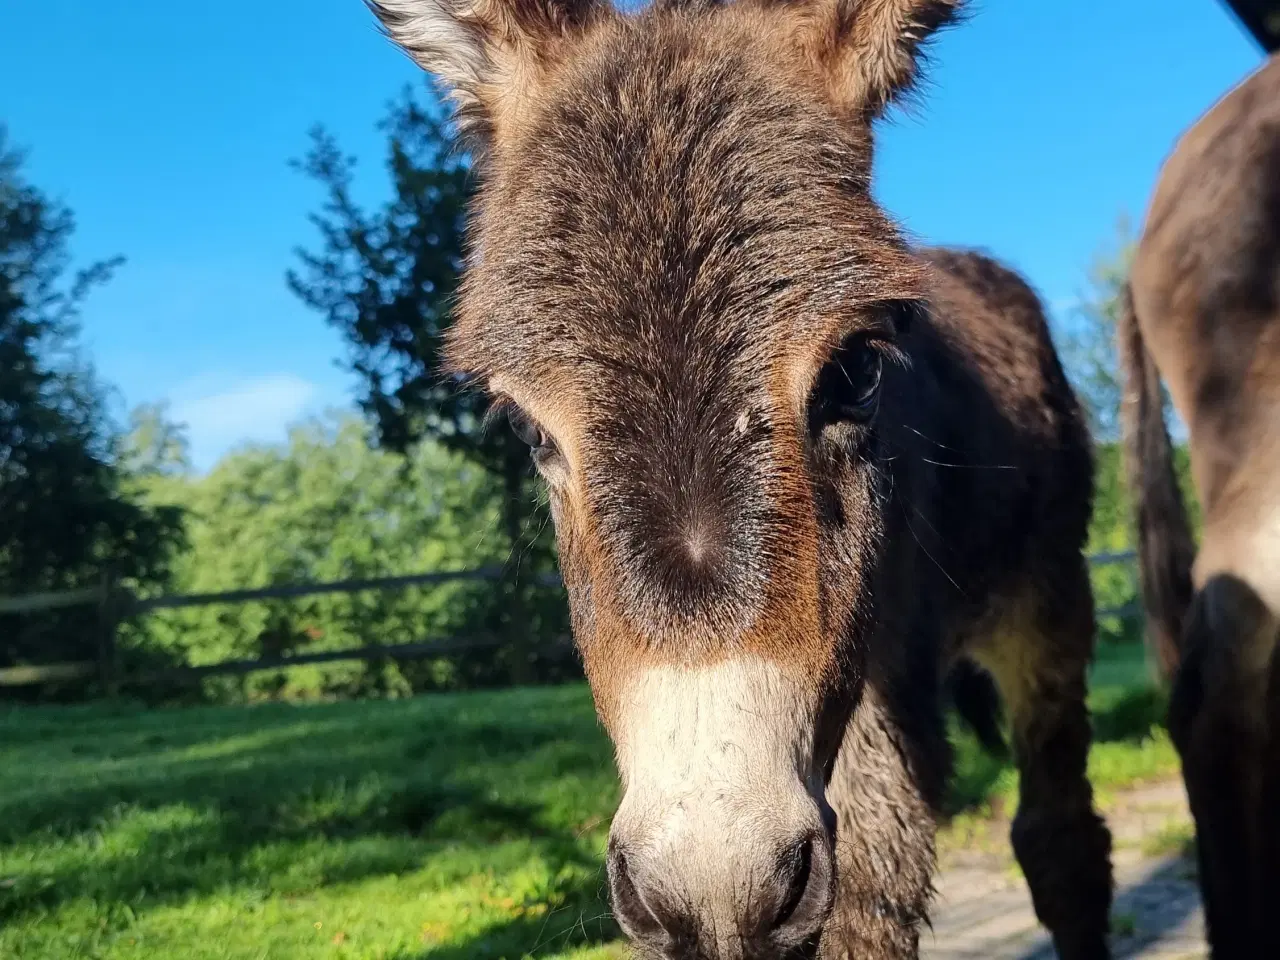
point(1176, 839)
point(443, 827)
point(460, 827)
point(1124, 924)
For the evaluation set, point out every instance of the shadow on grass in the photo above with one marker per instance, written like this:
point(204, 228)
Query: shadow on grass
point(975, 778)
point(579, 916)
point(156, 808)
point(1130, 715)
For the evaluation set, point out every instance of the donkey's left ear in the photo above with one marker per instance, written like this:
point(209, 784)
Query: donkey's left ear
point(488, 54)
point(865, 52)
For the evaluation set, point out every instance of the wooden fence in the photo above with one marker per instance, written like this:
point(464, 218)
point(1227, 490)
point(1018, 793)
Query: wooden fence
point(116, 604)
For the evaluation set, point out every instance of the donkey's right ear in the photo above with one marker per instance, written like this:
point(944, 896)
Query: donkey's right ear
point(488, 54)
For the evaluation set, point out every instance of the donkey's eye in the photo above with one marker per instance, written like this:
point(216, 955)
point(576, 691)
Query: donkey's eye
point(529, 433)
point(848, 388)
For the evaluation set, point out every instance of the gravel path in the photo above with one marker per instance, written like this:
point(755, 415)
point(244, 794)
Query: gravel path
point(983, 909)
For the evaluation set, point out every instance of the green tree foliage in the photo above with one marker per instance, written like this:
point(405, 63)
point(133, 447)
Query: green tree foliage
point(155, 445)
point(385, 279)
point(328, 506)
point(67, 519)
point(1088, 345)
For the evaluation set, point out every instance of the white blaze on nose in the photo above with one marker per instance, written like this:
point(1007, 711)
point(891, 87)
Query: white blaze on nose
point(714, 756)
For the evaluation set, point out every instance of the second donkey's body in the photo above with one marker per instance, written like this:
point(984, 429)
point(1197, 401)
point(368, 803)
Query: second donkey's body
point(989, 494)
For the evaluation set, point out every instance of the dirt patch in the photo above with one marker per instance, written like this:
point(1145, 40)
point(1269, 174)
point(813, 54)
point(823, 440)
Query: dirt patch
point(983, 909)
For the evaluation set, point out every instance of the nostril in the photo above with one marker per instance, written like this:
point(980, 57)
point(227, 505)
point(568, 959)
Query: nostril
point(798, 862)
point(630, 908)
point(804, 880)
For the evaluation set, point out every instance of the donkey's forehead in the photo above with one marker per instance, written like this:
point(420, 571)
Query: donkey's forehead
point(676, 201)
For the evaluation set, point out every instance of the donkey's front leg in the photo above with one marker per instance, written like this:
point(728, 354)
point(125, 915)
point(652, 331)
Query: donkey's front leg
point(881, 789)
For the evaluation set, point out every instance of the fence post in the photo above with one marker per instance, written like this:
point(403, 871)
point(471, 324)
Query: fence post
point(108, 626)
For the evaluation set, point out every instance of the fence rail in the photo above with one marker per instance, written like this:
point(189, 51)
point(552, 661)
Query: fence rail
point(1106, 559)
point(117, 604)
point(57, 600)
point(338, 586)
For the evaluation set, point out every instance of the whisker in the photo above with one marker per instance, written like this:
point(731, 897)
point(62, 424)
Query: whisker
point(930, 439)
point(971, 466)
point(954, 466)
point(526, 544)
point(925, 549)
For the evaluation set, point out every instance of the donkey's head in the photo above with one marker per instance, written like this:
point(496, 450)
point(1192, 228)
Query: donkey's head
point(684, 296)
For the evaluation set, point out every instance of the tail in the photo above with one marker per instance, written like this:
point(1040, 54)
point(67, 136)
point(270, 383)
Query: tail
point(973, 694)
point(1166, 549)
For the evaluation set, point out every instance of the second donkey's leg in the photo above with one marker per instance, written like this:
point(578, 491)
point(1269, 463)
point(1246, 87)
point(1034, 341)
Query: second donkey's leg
point(1039, 655)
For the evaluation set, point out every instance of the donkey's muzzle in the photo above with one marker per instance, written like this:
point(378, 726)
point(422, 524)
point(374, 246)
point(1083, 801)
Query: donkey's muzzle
point(775, 903)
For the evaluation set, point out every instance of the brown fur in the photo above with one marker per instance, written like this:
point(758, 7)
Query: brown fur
point(674, 246)
point(1203, 311)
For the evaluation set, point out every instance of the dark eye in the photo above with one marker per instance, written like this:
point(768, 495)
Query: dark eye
point(848, 388)
point(529, 433)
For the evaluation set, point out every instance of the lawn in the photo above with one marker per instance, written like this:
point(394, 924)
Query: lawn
point(460, 827)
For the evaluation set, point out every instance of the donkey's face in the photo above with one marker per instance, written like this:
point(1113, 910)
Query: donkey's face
point(684, 296)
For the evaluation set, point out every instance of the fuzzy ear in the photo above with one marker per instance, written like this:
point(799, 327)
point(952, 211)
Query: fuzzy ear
point(866, 52)
point(488, 54)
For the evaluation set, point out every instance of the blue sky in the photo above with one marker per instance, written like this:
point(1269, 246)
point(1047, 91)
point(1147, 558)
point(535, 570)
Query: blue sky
point(168, 128)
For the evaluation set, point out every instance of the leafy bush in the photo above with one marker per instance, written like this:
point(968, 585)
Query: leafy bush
point(327, 506)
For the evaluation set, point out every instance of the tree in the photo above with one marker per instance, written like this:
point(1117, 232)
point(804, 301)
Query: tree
point(328, 506)
point(155, 445)
point(66, 519)
point(1089, 344)
point(386, 280)
point(1089, 348)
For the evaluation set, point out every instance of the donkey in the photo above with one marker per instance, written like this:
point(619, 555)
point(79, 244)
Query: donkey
point(797, 469)
point(1202, 308)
